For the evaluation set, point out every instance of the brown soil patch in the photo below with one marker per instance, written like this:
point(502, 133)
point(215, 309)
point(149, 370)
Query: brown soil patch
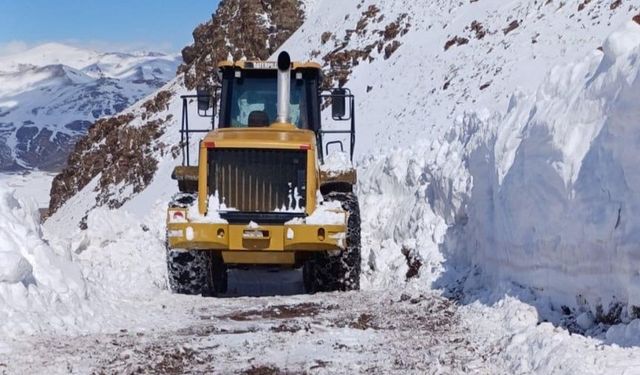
point(512, 26)
point(364, 321)
point(455, 41)
point(615, 4)
point(281, 312)
point(263, 370)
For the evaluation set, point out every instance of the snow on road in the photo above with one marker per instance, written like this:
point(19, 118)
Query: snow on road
point(346, 333)
point(123, 319)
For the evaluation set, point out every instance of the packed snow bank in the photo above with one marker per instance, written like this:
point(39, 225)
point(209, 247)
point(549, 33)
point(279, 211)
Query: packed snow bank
point(109, 277)
point(542, 197)
point(531, 346)
point(122, 256)
point(38, 286)
point(555, 212)
point(413, 198)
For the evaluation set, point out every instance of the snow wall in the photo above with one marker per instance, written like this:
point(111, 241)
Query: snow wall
point(35, 281)
point(97, 280)
point(543, 197)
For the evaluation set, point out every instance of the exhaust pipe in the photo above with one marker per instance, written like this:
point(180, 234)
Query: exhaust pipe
point(284, 87)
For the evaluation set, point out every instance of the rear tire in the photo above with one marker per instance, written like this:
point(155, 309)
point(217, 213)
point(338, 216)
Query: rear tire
point(196, 272)
point(325, 272)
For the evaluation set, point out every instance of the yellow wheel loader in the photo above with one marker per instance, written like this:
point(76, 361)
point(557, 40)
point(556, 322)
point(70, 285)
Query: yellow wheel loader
point(261, 194)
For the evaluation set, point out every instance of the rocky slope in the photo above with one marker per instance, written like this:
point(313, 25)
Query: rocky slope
point(51, 94)
point(122, 152)
point(239, 29)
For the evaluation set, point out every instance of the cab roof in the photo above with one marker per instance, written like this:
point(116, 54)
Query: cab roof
point(266, 65)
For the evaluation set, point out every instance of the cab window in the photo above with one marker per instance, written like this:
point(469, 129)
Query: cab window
point(254, 101)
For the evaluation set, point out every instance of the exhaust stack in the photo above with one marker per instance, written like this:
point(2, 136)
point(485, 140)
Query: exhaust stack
point(284, 87)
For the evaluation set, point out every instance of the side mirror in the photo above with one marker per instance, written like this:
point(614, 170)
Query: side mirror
point(204, 99)
point(338, 104)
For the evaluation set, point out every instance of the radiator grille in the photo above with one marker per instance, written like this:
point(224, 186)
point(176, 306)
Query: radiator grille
point(257, 180)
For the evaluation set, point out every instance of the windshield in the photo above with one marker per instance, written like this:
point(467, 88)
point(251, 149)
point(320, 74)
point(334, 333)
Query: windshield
point(254, 102)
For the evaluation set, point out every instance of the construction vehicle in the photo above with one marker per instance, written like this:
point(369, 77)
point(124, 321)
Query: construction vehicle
point(259, 195)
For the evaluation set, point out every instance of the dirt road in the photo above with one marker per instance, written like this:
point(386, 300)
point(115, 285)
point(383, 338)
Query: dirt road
point(356, 332)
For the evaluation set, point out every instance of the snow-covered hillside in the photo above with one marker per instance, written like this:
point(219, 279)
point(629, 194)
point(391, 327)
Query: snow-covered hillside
point(49, 95)
point(443, 101)
point(430, 62)
point(496, 145)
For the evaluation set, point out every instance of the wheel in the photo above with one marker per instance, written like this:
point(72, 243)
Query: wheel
point(219, 280)
point(196, 272)
point(325, 272)
point(188, 272)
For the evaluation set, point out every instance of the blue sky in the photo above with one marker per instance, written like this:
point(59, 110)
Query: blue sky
point(114, 25)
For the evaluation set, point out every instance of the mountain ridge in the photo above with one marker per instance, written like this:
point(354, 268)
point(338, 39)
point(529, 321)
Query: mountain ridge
point(51, 93)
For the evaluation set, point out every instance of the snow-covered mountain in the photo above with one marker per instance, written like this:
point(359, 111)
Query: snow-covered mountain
point(496, 156)
point(50, 95)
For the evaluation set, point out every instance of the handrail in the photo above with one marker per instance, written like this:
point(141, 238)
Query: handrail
point(340, 93)
point(184, 129)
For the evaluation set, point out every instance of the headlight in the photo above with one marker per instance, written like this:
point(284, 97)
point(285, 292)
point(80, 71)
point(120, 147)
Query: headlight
point(177, 216)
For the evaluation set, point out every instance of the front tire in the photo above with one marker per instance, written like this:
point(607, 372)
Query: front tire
point(196, 272)
point(325, 272)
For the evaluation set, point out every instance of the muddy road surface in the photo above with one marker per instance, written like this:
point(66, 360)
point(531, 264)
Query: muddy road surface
point(355, 332)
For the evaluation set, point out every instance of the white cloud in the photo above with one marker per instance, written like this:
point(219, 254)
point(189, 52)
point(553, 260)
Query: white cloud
point(17, 46)
point(134, 46)
point(13, 46)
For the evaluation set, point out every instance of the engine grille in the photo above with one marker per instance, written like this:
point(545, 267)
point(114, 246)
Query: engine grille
point(258, 180)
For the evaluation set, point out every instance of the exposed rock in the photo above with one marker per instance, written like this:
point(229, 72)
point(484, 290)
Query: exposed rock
point(512, 26)
point(157, 104)
point(455, 41)
point(478, 29)
point(391, 48)
point(85, 162)
point(582, 5)
point(42, 147)
point(77, 125)
point(339, 63)
point(239, 29)
point(324, 38)
point(615, 4)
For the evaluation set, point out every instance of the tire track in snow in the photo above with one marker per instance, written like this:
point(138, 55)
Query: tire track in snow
point(355, 332)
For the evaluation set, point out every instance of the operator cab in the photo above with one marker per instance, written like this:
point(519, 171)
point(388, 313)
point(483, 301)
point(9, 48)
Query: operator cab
point(249, 95)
